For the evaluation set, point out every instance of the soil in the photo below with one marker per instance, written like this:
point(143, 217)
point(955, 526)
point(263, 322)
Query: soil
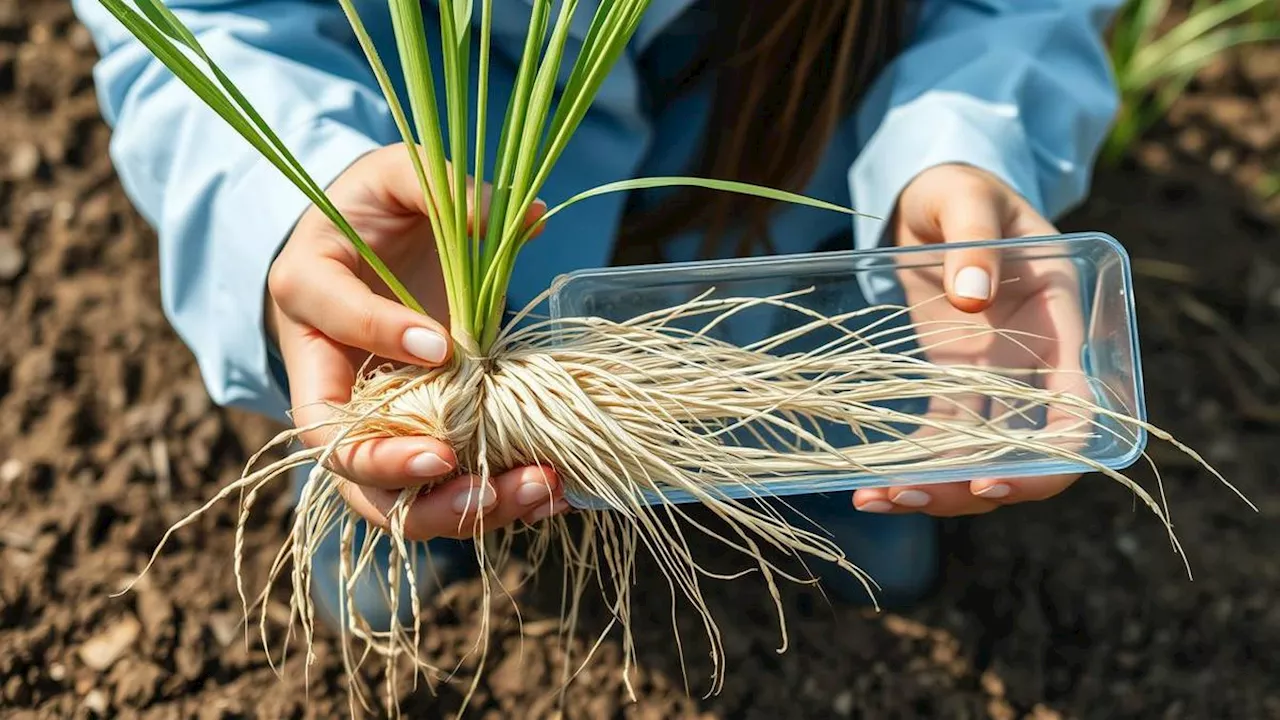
point(1071, 608)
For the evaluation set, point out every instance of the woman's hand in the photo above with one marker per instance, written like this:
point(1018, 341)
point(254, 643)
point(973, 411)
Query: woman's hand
point(956, 204)
point(328, 312)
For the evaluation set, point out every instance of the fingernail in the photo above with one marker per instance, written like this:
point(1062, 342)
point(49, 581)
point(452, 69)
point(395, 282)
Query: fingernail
point(425, 344)
point(912, 499)
point(973, 283)
point(995, 492)
point(475, 499)
point(547, 511)
point(532, 492)
point(877, 506)
point(428, 465)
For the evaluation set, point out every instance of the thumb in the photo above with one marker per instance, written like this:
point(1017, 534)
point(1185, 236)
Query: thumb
point(401, 187)
point(971, 275)
point(338, 304)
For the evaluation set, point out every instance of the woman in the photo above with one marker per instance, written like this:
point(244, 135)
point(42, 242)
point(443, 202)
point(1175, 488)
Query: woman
point(957, 121)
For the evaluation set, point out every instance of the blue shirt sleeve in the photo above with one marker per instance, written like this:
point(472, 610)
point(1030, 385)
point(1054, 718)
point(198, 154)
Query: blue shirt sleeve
point(1020, 88)
point(220, 211)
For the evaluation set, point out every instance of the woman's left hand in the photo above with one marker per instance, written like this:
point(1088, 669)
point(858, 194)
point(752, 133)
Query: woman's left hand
point(957, 204)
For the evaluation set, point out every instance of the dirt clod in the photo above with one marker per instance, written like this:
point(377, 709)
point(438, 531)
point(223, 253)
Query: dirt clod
point(992, 684)
point(843, 704)
point(24, 160)
point(102, 650)
point(225, 627)
point(96, 702)
point(12, 259)
point(11, 470)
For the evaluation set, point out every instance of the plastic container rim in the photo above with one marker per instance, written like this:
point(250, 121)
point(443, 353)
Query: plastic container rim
point(784, 261)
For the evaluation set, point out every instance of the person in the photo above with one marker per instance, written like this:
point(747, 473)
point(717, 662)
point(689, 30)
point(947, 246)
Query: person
point(941, 121)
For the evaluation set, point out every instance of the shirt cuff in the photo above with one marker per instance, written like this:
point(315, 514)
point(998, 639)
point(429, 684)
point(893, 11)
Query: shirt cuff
point(939, 128)
point(260, 212)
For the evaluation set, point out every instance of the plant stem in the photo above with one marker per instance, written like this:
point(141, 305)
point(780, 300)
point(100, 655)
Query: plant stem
point(407, 23)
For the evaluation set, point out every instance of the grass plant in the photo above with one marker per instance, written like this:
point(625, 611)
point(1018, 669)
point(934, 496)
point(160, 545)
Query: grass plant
point(1154, 65)
point(624, 410)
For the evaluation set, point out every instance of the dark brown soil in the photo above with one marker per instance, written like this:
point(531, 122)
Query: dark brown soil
point(1075, 607)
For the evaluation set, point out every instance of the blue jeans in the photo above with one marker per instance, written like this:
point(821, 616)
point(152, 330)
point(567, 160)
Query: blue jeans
point(899, 552)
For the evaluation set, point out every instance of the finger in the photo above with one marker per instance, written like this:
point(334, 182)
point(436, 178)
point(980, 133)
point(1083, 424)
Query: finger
point(979, 496)
point(542, 512)
point(962, 409)
point(525, 492)
point(1067, 381)
point(451, 510)
point(1066, 426)
point(462, 507)
point(401, 187)
point(321, 375)
point(371, 503)
point(983, 495)
point(940, 500)
point(531, 217)
point(394, 463)
point(1059, 364)
point(324, 294)
point(1020, 490)
point(457, 509)
point(1029, 223)
point(1023, 222)
point(970, 275)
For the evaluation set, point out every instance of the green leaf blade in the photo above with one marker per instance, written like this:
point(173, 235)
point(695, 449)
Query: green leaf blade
point(500, 273)
point(462, 16)
point(740, 188)
point(155, 38)
point(168, 23)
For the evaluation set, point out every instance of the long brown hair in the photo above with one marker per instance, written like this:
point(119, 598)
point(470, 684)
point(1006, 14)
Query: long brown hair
point(785, 74)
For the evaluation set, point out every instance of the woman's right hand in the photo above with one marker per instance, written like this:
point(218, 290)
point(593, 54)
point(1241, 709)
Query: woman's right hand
point(328, 312)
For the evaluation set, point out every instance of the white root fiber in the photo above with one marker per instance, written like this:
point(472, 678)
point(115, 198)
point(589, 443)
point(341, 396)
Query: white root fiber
point(625, 411)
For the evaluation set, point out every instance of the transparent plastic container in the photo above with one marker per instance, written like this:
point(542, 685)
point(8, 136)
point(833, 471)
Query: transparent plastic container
point(1073, 291)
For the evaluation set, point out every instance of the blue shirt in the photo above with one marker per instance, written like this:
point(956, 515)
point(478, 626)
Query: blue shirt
point(1021, 88)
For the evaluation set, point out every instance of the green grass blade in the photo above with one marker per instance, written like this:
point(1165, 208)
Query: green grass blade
point(535, 124)
point(1150, 13)
point(603, 28)
point(457, 65)
point(1148, 59)
point(482, 110)
point(512, 130)
point(153, 37)
point(1206, 18)
point(500, 273)
point(168, 23)
point(589, 76)
point(1135, 25)
point(1195, 55)
point(521, 190)
point(606, 40)
point(411, 42)
point(694, 182)
point(393, 101)
point(388, 89)
point(462, 17)
point(611, 30)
